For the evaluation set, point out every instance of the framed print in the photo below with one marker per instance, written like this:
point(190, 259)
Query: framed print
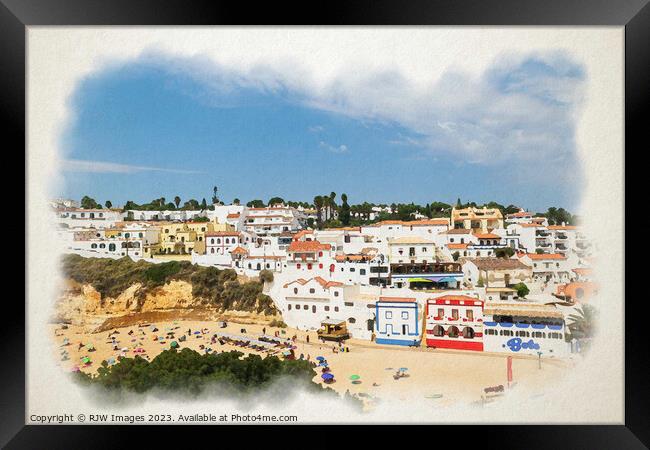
point(405, 215)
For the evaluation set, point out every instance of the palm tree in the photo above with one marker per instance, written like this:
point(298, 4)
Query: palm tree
point(177, 201)
point(318, 204)
point(583, 322)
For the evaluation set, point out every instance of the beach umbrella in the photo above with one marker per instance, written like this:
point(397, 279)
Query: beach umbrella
point(320, 358)
point(174, 344)
point(197, 332)
point(86, 360)
point(125, 349)
point(403, 369)
point(354, 377)
point(327, 376)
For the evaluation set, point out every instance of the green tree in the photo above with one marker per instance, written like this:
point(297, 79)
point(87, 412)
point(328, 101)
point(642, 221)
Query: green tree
point(505, 252)
point(319, 202)
point(344, 213)
point(89, 203)
point(204, 205)
point(522, 290)
point(582, 322)
point(215, 199)
point(108, 204)
point(266, 276)
point(256, 204)
point(455, 255)
point(177, 201)
point(275, 201)
point(236, 201)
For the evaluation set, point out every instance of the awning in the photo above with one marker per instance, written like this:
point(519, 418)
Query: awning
point(420, 280)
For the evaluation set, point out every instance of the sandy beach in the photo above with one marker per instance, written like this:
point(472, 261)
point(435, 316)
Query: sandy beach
point(450, 376)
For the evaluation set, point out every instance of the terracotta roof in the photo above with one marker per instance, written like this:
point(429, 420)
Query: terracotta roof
point(301, 233)
point(427, 222)
point(465, 298)
point(233, 216)
point(583, 270)
point(520, 214)
point(457, 246)
point(562, 227)
point(487, 236)
point(397, 299)
point(542, 256)
point(498, 264)
point(239, 251)
point(530, 225)
point(326, 284)
point(522, 309)
point(342, 258)
point(307, 246)
point(459, 231)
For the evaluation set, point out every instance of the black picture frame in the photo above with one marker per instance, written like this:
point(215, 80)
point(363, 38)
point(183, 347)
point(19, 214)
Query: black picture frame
point(15, 15)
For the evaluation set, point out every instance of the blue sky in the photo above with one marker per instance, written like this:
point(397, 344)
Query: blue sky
point(153, 128)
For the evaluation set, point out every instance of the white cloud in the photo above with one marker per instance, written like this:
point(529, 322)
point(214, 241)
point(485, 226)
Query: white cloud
point(316, 128)
point(334, 149)
point(77, 165)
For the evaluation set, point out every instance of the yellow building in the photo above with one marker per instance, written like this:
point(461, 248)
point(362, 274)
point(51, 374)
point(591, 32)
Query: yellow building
point(183, 238)
point(476, 218)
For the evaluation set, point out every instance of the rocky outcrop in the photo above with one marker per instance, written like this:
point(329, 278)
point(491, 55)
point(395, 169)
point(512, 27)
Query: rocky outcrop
point(83, 305)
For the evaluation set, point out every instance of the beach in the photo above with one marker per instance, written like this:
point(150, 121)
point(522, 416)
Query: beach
point(450, 376)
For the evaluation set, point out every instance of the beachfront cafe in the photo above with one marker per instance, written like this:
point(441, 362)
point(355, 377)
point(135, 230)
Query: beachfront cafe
point(427, 276)
point(524, 328)
point(333, 330)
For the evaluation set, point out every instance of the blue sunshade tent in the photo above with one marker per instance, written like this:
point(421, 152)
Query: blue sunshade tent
point(327, 376)
point(403, 369)
point(320, 358)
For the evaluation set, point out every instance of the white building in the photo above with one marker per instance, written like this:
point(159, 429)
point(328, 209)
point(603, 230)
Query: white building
point(528, 328)
point(397, 321)
point(269, 221)
point(88, 218)
point(548, 267)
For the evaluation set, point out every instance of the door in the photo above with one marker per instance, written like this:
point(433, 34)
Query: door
point(389, 329)
point(405, 330)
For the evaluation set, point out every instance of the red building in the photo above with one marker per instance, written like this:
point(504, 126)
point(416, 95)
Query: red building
point(454, 321)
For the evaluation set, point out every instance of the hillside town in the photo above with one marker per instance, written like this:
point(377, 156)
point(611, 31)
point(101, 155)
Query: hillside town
point(472, 279)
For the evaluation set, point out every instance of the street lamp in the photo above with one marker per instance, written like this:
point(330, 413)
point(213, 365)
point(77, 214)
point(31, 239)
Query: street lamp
point(539, 360)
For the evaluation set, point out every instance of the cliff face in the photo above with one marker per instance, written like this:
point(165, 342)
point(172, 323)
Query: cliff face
point(82, 304)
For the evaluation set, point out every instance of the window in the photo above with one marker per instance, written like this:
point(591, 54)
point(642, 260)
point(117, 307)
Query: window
point(362, 271)
point(389, 314)
point(470, 314)
point(454, 314)
point(297, 306)
point(289, 307)
point(352, 269)
point(405, 314)
point(438, 331)
point(352, 320)
point(320, 253)
point(309, 266)
point(336, 293)
point(336, 309)
point(212, 250)
point(298, 266)
point(305, 307)
point(452, 332)
point(320, 266)
point(348, 304)
point(327, 308)
point(312, 290)
point(424, 249)
point(313, 308)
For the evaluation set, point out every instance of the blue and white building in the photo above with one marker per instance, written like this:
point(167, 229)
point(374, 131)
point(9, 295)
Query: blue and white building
point(397, 321)
point(524, 328)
